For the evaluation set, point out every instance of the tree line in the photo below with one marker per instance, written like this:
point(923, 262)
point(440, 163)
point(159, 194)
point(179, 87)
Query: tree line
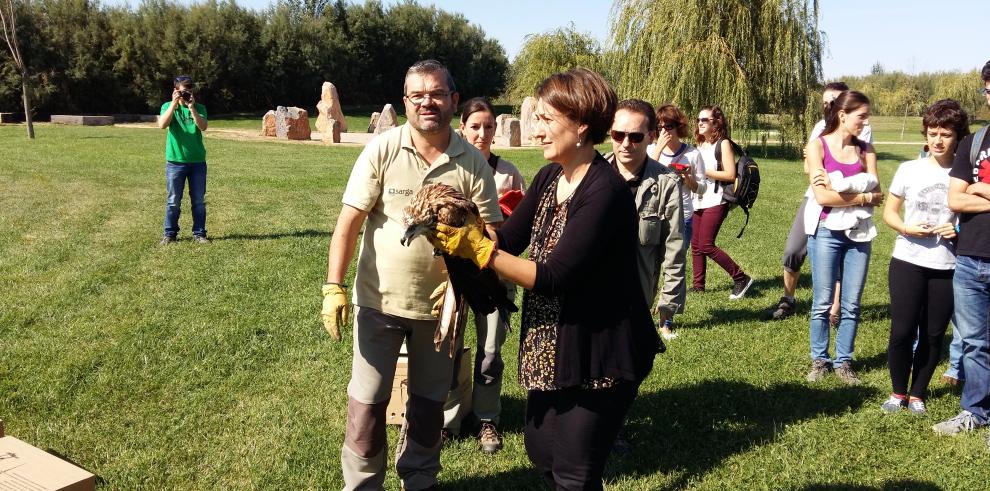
point(895, 93)
point(84, 57)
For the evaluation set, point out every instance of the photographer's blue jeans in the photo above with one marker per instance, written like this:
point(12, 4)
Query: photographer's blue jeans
point(971, 289)
point(176, 175)
point(833, 255)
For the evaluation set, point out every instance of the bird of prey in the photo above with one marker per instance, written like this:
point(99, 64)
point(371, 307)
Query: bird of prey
point(469, 286)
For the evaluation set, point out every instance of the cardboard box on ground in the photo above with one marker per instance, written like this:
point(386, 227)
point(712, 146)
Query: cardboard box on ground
point(24, 467)
point(395, 413)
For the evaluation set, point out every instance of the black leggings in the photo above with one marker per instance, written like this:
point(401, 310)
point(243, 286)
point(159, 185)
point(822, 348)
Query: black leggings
point(920, 307)
point(569, 433)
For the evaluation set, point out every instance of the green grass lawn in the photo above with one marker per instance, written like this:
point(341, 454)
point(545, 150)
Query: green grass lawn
point(206, 367)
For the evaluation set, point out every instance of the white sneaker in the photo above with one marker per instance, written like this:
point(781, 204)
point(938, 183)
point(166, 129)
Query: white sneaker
point(964, 421)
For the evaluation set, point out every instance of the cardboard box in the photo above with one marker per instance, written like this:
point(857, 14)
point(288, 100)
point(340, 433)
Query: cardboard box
point(23, 467)
point(395, 413)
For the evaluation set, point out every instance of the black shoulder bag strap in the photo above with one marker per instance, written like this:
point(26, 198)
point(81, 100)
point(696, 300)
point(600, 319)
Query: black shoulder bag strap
point(978, 139)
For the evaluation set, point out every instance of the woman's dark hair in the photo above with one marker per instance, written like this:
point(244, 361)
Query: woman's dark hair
point(948, 114)
point(476, 104)
point(846, 102)
point(985, 73)
point(673, 114)
point(642, 107)
point(584, 97)
point(719, 127)
point(836, 86)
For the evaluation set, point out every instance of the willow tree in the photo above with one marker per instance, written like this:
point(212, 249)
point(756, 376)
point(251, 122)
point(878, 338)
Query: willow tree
point(547, 53)
point(748, 56)
point(8, 19)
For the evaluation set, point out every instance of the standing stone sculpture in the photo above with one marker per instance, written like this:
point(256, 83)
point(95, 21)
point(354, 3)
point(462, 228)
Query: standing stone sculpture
point(500, 124)
point(387, 120)
point(292, 123)
point(527, 122)
point(374, 121)
point(268, 124)
point(331, 134)
point(329, 107)
point(512, 132)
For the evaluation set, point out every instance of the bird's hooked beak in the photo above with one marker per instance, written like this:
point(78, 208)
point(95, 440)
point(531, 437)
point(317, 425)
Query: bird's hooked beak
point(417, 229)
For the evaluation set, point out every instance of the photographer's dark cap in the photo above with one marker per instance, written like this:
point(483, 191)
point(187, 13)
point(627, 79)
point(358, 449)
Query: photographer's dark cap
point(183, 78)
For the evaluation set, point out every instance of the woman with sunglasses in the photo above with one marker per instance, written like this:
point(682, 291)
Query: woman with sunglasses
point(710, 208)
point(587, 337)
point(685, 160)
point(478, 128)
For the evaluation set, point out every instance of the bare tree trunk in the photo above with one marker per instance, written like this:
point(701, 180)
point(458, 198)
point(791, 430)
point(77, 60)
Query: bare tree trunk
point(26, 93)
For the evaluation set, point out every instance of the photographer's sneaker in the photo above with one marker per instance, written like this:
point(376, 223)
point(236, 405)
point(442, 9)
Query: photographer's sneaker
point(200, 239)
point(489, 438)
point(964, 421)
point(166, 240)
point(740, 287)
point(893, 404)
point(818, 370)
point(846, 374)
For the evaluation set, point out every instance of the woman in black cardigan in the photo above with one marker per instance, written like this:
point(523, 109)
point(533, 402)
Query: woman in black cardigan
point(588, 338)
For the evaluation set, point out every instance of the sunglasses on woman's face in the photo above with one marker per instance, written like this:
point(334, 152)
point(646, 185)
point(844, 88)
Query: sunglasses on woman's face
point(704, 120)
point(668, 126)
point(620, 136)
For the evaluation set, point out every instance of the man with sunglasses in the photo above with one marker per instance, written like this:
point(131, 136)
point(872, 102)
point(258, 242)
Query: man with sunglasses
point(969, 195)
point(185, 159)
point(657, 192)
point(393, 284)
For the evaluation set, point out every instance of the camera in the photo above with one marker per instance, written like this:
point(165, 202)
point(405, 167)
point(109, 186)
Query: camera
point(185, 95)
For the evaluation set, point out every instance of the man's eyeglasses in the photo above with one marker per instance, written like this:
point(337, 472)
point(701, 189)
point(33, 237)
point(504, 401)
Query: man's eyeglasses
point(418, 99)
point(704, 120)
point(620, 136)
point(984, 91)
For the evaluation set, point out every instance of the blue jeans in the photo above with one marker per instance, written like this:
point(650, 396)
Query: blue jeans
point(833, 255)
point(176, 175)
point(971, 289)
point(955, 369)
point(687, 232)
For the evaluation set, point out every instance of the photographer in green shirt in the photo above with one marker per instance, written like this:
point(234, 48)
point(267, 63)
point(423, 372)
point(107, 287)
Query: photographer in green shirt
point(185, 159)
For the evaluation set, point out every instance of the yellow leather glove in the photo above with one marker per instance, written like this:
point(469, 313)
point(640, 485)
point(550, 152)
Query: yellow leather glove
point(437, 298)
point(335, 308)
point(468, 242)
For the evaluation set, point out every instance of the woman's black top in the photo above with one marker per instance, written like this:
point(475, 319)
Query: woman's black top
point(604, 328)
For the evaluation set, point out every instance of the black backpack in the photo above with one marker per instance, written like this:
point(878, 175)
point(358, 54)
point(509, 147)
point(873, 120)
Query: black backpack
point(743, 191)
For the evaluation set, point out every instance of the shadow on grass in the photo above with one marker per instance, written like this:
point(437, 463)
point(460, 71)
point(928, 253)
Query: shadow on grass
point(690, 430)
point(910, 152)
point(284, 235)
point(687, 431)
point(906, 484)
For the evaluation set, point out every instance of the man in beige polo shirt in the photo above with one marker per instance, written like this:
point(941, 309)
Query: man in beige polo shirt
point(393, 283)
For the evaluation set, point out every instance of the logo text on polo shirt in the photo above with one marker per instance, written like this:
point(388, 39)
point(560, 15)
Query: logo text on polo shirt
point(399, 192)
